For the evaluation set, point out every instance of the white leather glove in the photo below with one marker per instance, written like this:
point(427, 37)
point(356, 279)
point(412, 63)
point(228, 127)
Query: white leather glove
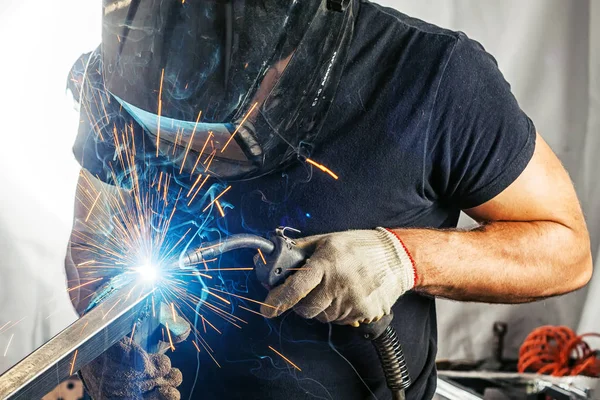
point(351, 277)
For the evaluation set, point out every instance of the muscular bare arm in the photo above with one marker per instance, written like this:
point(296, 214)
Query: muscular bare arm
point(533, 242)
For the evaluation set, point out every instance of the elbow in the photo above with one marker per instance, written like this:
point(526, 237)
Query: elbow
point(580, 268)
point(583, 272)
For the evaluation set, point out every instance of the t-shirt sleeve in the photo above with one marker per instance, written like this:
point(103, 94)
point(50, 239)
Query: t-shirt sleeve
point(479, 139)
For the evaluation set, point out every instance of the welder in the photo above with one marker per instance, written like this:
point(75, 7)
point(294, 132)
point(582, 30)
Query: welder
point(417, 123)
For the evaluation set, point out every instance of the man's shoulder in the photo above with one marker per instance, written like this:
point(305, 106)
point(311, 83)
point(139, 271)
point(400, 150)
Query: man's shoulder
point(391, 16)
point(395, 28)
point(391, 45)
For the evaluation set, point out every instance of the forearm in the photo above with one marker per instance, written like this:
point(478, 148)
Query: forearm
point(501, 262)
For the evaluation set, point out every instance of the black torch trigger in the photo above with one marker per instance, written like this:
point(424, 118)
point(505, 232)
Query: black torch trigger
point(286, 258)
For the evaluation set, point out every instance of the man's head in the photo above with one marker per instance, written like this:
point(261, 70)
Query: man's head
point(248, 81)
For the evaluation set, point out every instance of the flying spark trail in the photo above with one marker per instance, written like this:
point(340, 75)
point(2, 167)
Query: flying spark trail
point(187, 150)
point(239, 126)
point(73, 362)
point(220, 208)
point(132, 333)
point(173, 311)
point(196, 346)
point(252, 311)
point(110, 309)
point(216, 198)
point(285, 358)
point(84, 284)
point(169, 334)
point(82, 329)
point(217, 296)
point(210, 134)
point(9, 341)
point(262, 257)
point(14, 324)
point(245, 298)
point(162, 78)
point(322, 168)
point(3, 326)
point(92, 208)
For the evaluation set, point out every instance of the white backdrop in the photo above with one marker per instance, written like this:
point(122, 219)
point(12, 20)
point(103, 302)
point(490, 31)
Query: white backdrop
point(39, 41)
point(548, 49)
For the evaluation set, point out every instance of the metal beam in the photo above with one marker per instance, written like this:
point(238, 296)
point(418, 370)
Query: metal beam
point(77, 345)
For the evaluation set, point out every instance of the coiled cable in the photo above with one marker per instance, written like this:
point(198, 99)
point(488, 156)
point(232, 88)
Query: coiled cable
point(393, 362)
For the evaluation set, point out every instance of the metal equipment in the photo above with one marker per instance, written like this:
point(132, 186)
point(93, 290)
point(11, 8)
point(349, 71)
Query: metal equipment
point(77, 345)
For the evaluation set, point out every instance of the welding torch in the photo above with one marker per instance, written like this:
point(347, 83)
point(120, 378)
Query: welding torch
point(282, 258)
point(124, 303)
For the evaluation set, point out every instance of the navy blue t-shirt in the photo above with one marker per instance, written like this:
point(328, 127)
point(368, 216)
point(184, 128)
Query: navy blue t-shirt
point(423, 125)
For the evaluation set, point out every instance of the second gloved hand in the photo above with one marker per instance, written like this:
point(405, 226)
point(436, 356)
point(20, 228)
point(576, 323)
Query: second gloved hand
point(127, 371)
point(350, 278)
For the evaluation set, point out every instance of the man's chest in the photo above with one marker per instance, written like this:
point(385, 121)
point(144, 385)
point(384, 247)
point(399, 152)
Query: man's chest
point(374, 188)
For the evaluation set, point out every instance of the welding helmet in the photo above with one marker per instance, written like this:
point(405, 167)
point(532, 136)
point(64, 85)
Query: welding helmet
point(244, 85)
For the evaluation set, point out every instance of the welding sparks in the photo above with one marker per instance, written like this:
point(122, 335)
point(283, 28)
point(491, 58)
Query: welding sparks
point(239, 126)
point(220, 208)
point(169, 334)
point(84, 284)
point(162, 78)
point(132, 333)
point(9, 341)
point(285, 358)
point(173, 312)
point(82, 329)
point(125, 229)
point(217, 296)
point(92, 208)
point(322, 168)
point(187, 150)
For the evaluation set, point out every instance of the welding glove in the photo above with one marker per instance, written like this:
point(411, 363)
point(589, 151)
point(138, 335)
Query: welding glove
point(351, 277)
point(127, 371)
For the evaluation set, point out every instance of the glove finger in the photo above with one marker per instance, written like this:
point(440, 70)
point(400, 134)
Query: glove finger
point(173, 378)
point(160, 366)
point(336, 310)
point(163, 393)
point(290, 292)
point(314, 303)
point(356, 318)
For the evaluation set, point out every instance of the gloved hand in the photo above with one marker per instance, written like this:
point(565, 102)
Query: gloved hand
point(126, 371)
point(352, 277)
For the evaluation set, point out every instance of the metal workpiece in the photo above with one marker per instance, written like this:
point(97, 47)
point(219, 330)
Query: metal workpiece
point(77, 345)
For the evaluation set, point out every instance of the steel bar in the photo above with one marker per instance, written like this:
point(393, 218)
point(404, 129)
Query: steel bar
point(77, 345)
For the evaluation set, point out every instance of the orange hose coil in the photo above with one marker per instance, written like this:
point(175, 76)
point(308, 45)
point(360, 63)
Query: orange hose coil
point(558, 351)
